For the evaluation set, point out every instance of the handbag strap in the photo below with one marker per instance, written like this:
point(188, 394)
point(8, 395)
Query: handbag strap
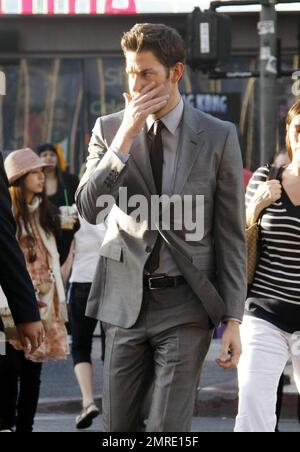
point(276, 172)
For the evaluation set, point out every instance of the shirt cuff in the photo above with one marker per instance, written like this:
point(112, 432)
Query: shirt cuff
point(230, 319)
point(124, 157)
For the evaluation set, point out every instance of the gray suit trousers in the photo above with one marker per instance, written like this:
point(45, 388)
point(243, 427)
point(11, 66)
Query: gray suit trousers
point(152, 370)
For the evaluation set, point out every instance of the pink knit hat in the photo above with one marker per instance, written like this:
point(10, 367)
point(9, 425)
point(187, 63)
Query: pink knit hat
point(21, 162)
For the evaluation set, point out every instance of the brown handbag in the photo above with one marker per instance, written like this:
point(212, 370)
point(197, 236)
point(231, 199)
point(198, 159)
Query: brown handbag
point(253, 233)
point(252, 236)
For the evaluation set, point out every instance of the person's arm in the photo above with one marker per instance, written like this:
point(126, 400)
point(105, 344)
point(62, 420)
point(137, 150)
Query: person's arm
point(14, 278)
point(261, 193)
point(229, 229)
point(68, 263)
point(230, 246)
point(104, 175)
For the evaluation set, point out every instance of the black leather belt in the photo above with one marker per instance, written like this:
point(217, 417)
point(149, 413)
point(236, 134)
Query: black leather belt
point(155, 282)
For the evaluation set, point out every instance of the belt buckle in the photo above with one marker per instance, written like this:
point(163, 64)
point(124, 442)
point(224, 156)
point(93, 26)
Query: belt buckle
point(154, 278)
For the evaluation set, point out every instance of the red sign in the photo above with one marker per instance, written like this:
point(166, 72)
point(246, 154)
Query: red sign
point(120, 7)
point(11, 7)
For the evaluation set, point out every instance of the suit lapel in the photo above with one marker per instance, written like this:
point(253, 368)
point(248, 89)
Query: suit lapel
point(192, 139)
point(140, 155)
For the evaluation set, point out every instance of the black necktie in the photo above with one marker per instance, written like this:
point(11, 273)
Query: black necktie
point(157, 160)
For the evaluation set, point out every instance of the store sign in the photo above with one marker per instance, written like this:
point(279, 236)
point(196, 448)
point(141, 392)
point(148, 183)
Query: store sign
point(225, 106)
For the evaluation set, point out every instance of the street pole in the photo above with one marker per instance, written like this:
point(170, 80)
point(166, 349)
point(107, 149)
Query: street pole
point(268, 80)
point(2, 84)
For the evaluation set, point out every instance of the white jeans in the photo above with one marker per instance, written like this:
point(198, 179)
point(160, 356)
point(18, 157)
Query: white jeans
point(266, 351)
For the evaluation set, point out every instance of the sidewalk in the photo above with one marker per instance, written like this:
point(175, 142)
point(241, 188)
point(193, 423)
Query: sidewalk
point(217, 395)
point(66, 423)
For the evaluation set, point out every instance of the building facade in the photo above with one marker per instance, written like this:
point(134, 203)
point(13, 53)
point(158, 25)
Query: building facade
point(64, 67)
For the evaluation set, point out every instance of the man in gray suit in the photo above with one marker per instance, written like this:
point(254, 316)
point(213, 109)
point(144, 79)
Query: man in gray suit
point(160, 291)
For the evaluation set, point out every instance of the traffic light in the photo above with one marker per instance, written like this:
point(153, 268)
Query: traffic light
point(208, 39)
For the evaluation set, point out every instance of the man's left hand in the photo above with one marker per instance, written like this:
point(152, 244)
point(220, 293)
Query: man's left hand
point(231, 346)
point(31, 335)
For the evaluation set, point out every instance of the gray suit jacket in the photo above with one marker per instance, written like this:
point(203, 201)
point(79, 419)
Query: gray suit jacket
point(209, 163)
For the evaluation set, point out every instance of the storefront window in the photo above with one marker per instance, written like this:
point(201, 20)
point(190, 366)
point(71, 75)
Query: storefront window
point(59, 100)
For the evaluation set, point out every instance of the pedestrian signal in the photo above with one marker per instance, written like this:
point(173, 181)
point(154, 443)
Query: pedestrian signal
point(208, 39)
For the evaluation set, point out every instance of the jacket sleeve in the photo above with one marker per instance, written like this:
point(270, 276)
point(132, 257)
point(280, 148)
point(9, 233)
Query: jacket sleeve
point(105, 174)
point(229, 229)
point(14, 278)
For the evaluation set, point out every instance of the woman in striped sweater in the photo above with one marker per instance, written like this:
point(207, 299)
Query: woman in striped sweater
point(271, 329)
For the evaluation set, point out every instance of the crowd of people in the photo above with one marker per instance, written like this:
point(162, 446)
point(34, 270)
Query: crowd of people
point(158, 294)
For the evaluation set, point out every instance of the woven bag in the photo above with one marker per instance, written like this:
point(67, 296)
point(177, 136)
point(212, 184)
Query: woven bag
point(252, 235)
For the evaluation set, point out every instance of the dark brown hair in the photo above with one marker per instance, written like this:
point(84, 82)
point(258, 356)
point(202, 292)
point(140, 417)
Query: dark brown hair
point(51, 147)
point(293, 112)
point(163, 41)
point(48, 213)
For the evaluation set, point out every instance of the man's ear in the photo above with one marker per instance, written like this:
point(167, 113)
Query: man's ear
point(177, 72)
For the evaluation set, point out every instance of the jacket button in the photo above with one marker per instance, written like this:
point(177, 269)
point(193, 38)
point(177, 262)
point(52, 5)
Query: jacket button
point(148, 249)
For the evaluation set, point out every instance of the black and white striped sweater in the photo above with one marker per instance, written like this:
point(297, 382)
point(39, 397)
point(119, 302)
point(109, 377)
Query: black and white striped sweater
point(275, 293)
